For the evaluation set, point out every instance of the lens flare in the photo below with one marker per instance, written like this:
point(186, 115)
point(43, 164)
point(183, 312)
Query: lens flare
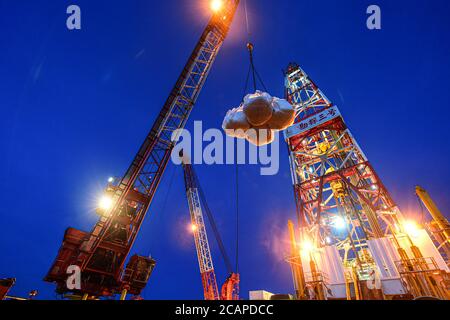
point(340, 223)
point(216, 5)
point(105, 203)
point(411, 228)
point(307, 246)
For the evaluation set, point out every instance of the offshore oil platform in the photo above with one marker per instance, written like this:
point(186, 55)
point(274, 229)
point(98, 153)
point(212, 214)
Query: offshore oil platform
point(349, 241)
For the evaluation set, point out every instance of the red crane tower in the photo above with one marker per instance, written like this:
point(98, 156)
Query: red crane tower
point(5, 286)
point(196, 198)
point(101, 254)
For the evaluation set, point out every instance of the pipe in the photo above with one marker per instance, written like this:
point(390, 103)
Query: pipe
point(297, 268)
point(347, 286)
point(15, 298)
point(356, 284)
point(123, 296)
point(438, 217)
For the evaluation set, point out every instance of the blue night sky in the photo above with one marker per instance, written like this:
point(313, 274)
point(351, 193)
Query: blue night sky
point(76, 105)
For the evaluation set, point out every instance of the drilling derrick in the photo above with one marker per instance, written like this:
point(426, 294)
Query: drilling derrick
point(351, 230)
point(101, 254)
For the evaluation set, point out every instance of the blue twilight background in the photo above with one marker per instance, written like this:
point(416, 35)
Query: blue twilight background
point(75, 106)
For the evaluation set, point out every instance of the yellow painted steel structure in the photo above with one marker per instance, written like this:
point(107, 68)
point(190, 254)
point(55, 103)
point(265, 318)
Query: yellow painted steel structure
point(296, 266)
point(342, 203)
point(439, 219)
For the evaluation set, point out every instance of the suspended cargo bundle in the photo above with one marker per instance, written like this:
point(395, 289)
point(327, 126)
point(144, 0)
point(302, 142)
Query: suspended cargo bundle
point(260, 115)
point(258, 118)
point(283, 115)
point(260, 136)
point(257, 107)
point(236, 123)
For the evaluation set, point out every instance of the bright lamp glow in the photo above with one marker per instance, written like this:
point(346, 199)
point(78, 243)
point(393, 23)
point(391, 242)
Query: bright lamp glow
point(194, 228)
point(411, 228)
point(216, 5)
point(307, 246)
point(339, 223)
point(105, 203)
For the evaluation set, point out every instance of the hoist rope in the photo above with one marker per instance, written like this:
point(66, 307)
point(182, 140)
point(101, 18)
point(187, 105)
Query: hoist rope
point(212, 222)
point(237, 208)
point(247, 20)
point(422, 217)
point(250, 47)
point(163, 209)
point(252, 72)
point(251, 67)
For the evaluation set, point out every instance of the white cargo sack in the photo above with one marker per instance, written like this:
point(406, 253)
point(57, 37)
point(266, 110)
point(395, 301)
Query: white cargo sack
point(283, 115)
point(257, 107)
point(258, 118)
point(236, 123)
point(260, 137)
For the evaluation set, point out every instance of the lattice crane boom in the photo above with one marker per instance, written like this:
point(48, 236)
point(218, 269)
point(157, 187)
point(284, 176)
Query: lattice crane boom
point(102, 253)
point(209, 281)
point(197, 202)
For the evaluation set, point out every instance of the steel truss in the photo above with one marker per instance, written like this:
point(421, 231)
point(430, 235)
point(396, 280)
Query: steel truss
point(209, 281)
point(103, 252)
point(340, 199)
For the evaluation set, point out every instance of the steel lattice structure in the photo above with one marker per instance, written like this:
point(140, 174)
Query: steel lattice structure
point(102, 253)
point(209, 281)
point(340, 199)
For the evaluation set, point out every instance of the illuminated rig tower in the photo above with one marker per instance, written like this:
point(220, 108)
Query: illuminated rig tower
point(354, 242)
